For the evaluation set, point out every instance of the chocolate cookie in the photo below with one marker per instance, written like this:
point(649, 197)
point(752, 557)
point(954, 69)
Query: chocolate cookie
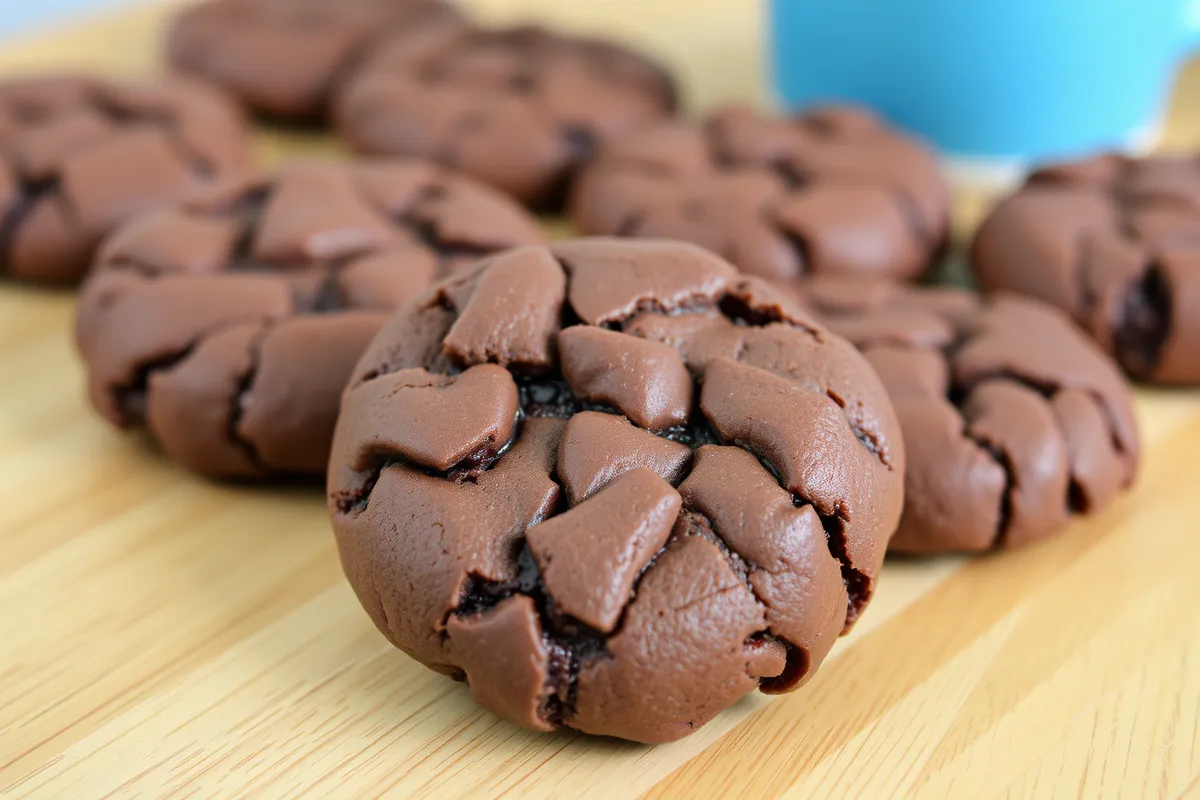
point(830, 192)
point(285, 58)
point(613, 486)
point(517, 108)
point(1013, 420)
point(229, 326)
point(1114, 242)
point(79, 155)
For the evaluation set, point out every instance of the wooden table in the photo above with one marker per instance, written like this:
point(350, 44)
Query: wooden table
point(163, 636)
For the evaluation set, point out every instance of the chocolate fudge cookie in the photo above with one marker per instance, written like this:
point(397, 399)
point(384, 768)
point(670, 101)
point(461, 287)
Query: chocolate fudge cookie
point(832, 191)
point(1114, 242)
point(79, 155)
point(1013, 420)
point(518, 108)
point(229, 326)
point(613, 485)
point(285, 58)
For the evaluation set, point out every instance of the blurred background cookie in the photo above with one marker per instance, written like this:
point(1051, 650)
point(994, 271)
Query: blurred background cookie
point(80, 154)
point(228, 326)
point(285, 58)
point(1113, 241)
point(1013, 420)
point(518, 108)
point(831, 191)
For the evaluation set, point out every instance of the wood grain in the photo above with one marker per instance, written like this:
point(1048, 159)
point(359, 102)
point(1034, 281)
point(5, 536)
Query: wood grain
point(166, 637)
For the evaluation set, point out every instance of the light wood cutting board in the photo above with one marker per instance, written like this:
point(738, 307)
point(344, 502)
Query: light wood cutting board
point(165, 637)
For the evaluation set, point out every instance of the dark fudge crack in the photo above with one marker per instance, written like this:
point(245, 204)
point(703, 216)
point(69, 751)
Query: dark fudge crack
point(466, 470)
point(858, 585)
point(28, 193)
point(796, 658)
point(1005, 513)
point(568, 642)
point(238, 409)
point(130, 398)
point(1144, 325)
point(547, 398)
point(697, 433)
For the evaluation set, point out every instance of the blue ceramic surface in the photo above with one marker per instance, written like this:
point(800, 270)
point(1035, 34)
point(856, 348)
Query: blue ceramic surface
point(1003, 79)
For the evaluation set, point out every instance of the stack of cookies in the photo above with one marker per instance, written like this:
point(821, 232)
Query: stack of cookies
point(613, 483)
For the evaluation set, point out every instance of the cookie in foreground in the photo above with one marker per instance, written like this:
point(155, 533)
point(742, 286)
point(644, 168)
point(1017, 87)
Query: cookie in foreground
point(228, 326)
point(613, 485)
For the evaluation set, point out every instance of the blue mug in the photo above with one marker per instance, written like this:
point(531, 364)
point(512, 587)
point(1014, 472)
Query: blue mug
point(993, 81)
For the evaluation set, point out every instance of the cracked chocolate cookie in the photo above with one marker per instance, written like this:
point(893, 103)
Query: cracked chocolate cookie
point(79, 155)
point(832, 191)
point(613, 485)
point(1115, 242)
point(517, 108)
point(228, 326)
point(1013, 420)
point(285, 58)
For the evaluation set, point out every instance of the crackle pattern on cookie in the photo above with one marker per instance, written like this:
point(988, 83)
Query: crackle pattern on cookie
point(517, 108)
point(832, 191)
point(80, 155)
point(287, 58)
point(1013, 420)
point(1115, 242)
point(228, 326)
point(613, 485)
